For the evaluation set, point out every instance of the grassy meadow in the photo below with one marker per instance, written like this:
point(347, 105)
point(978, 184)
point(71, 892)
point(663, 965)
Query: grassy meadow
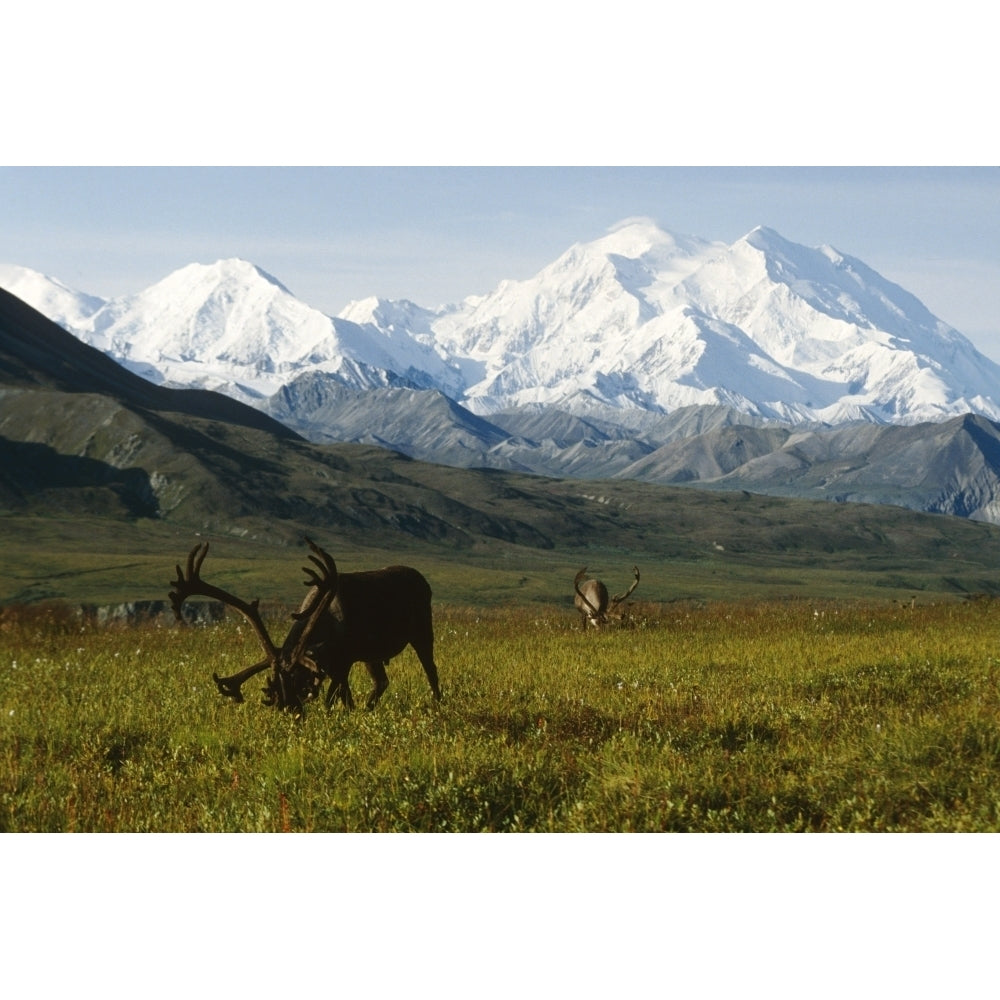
point(757, 715)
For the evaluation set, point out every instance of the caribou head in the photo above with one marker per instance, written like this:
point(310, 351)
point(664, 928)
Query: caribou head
point(295, 677)
point(592, 599)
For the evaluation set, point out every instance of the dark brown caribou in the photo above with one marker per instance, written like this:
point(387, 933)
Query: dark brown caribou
point(345, 618)
point(592, 599)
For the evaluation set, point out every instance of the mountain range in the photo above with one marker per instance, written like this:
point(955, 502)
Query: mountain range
point(761, 365)
point(105, 480)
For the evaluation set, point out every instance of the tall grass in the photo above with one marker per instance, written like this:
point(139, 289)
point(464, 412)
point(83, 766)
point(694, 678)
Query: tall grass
point(757, 716)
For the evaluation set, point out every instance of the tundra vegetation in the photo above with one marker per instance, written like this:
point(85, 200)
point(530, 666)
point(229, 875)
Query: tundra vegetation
point(725, 715)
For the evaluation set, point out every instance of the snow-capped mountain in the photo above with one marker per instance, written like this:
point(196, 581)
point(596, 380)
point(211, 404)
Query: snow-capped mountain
point(232, 327)
point(640, 319)
point(643, 318)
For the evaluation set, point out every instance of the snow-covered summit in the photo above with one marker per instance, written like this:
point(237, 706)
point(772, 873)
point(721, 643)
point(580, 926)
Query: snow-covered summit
point(233, 327)
point(230, 313)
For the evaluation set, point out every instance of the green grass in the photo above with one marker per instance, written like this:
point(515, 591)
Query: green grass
point(762, 715)
point(101, 561)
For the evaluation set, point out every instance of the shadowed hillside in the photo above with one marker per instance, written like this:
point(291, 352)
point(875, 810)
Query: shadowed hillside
point(35, 353)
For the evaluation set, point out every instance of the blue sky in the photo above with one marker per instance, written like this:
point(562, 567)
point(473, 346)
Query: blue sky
point(437, 234)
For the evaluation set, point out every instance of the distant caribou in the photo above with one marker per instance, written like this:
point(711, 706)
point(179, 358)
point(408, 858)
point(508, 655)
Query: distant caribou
point(592, 600)
point(345, 618)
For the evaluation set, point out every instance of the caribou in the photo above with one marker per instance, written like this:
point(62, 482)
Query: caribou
point(345, 618)
point(592, 600)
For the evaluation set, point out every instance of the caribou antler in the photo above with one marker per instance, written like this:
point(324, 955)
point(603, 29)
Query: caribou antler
point(635, 583)
point(297, 678)
point(186, 586)
point(189, 584)
point(324, 587)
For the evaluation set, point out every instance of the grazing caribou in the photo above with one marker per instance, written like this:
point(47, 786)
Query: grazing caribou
point(592, 600)
point(345, 618)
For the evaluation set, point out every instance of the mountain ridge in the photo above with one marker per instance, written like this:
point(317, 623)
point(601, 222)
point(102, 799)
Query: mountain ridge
point(629, 356)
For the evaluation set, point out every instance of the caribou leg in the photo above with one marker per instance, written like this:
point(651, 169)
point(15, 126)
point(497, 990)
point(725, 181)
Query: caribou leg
point(339, 688)
point(376, 668)
point(230, 686)
point(423, 646)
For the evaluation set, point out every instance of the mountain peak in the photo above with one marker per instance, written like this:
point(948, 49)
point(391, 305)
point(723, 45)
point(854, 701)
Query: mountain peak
point(642, 237)
point(634, 236)
point(770, 241)
point(226, 270)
